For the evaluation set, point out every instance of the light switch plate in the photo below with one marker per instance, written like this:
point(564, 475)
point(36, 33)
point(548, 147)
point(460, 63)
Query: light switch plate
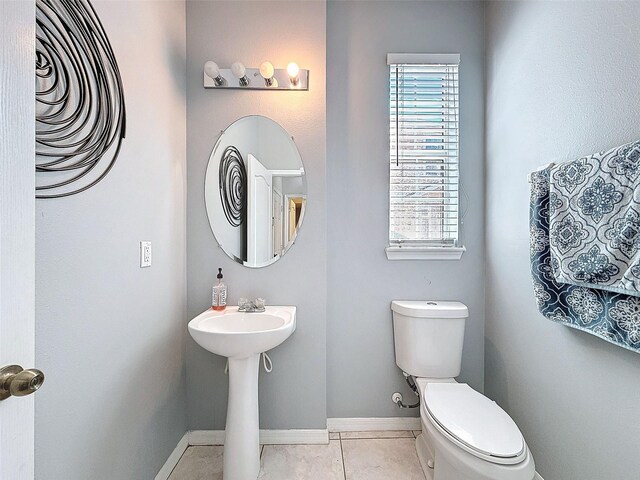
point(145, 254)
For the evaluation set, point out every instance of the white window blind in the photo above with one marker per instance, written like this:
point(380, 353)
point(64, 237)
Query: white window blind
point(424, 153)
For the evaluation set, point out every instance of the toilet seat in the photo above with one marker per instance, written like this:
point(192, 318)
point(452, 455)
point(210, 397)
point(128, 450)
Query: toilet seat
point(473, 422)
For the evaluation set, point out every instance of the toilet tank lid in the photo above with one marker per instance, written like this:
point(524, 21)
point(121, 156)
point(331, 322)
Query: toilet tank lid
point(430, 308)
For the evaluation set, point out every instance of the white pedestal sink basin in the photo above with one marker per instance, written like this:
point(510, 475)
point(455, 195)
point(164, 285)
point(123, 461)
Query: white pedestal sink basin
point(242, 337)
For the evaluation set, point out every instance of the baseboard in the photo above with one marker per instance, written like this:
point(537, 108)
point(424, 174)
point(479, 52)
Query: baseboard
point(206, 437)
point(174, 458)
point(294, 437)
point(369, 424)
point(267, 437)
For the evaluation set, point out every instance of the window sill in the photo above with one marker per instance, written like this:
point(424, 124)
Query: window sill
point(424, 253)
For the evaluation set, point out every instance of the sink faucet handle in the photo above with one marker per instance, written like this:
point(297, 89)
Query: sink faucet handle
point(260, 303)
point(243, 303)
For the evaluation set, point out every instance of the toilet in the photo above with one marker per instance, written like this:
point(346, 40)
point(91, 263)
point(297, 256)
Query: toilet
point(465, 435)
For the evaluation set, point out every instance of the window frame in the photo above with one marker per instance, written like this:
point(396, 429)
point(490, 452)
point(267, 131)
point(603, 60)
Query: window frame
point(425, 249)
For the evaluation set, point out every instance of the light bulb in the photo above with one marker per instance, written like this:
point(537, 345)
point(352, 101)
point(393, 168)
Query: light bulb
point(238, 69)
point(266, 70)
point(293, 70)
point(211, 69)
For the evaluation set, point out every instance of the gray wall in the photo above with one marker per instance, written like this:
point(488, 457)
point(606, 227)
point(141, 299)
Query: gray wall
point(562, 82)
point(294, 394)
point(361, 370)
point(109, 335)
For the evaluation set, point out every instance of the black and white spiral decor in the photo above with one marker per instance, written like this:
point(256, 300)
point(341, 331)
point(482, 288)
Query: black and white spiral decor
point(233, 186)
point(80, 111)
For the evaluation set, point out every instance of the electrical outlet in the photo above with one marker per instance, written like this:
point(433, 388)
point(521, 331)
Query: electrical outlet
point(145, 254)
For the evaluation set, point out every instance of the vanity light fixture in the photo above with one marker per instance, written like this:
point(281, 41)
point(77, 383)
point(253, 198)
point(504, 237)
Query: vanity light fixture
point(266, 77)
point(239, 71)
point(294, 73)
point(212, 71)
point(267, 71)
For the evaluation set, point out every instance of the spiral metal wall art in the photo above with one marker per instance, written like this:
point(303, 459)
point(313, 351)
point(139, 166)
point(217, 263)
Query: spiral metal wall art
point(80, 111)
point(233, 186)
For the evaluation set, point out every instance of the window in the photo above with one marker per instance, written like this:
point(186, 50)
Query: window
point(424, 156)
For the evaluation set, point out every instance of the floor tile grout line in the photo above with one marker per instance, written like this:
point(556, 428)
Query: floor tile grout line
point(341, 444)
point(379, 438)
point(344, 468)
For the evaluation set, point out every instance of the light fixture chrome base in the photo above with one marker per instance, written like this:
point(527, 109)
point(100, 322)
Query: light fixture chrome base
point(281, 80)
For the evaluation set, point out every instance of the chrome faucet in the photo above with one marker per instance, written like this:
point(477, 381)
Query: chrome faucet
point(251, 306)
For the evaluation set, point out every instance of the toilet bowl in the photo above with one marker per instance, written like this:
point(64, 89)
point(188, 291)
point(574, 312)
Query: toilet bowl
point(465, 435)
point(468, 436)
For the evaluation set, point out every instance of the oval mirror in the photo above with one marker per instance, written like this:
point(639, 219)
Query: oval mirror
point(255, 191)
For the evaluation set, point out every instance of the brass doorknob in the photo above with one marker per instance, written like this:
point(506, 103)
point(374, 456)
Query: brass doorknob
point(14, 381)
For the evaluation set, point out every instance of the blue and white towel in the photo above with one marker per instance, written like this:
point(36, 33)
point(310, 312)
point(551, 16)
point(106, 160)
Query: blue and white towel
point(594, 230)
point(615, 317)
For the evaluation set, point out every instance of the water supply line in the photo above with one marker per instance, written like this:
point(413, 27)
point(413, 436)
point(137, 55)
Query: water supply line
point(266, 360)
point(397, 396)
point(266, 363)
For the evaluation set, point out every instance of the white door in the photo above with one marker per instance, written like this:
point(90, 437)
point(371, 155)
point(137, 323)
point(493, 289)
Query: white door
point(17, 228)
point(277, 223)
point(259, 215)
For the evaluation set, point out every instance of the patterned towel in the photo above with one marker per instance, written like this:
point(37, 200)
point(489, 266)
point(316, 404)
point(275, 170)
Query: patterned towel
point(595, 220)
point(615, 317)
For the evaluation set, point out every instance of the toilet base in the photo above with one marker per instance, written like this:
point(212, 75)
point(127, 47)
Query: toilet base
point(451, 463)
point(446, 469)
point(425, 456)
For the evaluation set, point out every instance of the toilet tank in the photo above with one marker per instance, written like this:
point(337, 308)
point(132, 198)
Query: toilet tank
point(428, 337)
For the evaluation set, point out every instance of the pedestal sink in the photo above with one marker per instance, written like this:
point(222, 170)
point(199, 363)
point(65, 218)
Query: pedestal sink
point(242, 337)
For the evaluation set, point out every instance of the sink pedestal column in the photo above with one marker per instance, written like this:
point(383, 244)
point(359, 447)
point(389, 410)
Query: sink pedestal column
point(242, 442)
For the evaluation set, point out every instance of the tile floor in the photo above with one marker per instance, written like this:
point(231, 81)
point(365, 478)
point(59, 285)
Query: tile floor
point(380, 455)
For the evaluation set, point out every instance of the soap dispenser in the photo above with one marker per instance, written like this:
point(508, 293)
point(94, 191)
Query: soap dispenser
point(219, 295)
